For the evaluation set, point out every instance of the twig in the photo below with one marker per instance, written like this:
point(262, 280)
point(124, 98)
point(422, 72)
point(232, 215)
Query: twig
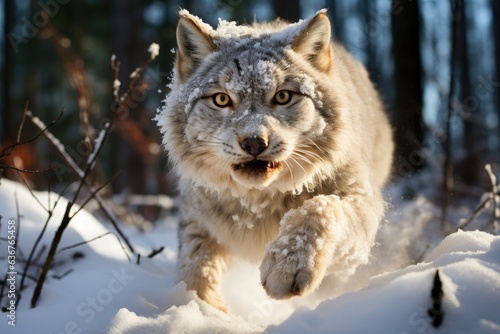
point(28, 171)
point(92, 195)
point(56, 144)
point(436, 312)
point(115, 66)
point(50, 256)
point(23, 120)
point(31, 191)
point(9, 149)
point(83, 242)
point(74, 66)
point(155, 252)
point(120, 100)
point(495, 199)
point(480, 208)
point(64, 274)
point(39, 238)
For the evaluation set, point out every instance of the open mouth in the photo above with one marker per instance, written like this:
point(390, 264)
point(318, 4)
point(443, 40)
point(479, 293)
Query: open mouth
point(257, 167)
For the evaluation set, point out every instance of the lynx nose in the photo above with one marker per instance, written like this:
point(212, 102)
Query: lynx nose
point(254, 145)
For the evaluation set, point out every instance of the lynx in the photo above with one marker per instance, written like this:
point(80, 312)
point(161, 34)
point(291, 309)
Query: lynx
point(281, 148)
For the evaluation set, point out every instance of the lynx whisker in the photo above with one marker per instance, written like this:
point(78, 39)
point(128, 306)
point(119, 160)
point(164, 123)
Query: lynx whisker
point(289, 169)
point(297, 163)
point(314, 156)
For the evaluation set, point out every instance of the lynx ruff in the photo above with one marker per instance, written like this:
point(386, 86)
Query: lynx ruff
point(281, 147)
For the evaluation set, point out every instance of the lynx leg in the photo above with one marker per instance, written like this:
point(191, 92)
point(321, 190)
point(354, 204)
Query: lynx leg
point(324, 234)
point(201, 263)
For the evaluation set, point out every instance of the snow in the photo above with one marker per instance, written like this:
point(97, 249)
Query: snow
point(104, 292)
point(154, 50)
point(98, 144)
point(231, 29)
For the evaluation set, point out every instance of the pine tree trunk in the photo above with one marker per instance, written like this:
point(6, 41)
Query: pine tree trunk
point(407, 117)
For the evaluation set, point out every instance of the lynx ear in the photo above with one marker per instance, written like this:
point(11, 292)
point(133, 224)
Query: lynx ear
point(313, 43)
point(193, 45)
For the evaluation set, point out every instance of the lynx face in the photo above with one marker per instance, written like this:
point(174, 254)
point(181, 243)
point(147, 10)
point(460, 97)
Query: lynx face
point(255, 115)
point(251, 112)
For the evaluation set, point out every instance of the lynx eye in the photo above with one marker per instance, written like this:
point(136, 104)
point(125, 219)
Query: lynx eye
point(221, 100)
point(282, 97)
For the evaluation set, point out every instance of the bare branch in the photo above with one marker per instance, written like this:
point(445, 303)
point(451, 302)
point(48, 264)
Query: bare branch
point(28, 171)
point(495, 200)
point(9, 149)
point(485, 202)
point(39, 238)
point(56, 144)
point(94, 193)
point(83, 242)
point(23, 120)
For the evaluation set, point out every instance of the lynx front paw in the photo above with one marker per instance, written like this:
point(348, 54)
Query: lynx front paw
point(294, 264)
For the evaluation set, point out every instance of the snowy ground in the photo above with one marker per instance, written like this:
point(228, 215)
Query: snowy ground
point(102, 292)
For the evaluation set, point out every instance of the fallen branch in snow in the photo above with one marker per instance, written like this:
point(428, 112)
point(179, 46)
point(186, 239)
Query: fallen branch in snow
point(436, 312)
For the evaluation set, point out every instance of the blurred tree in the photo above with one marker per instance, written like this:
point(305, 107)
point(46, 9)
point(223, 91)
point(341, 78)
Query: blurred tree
point(407, 117)
point(288, 10)
point(471, 141)
point(7, 131)
point(337, 20)
point(130, 51)
point(495, 7)
point(370, 49)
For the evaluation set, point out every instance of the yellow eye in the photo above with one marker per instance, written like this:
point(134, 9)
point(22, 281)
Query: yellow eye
point(282, 97)
point(221, 100)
